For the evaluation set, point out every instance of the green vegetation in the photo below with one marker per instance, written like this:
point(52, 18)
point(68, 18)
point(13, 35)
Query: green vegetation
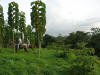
point(1, 25)
point(75, 54)
point(13, 18)
point(22, 25)
point(76, 62)
point(38, 20)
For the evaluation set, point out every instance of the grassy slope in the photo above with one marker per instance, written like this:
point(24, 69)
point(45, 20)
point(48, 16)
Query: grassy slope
point(23, 63)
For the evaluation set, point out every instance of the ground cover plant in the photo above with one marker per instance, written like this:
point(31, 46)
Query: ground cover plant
point(22, 63)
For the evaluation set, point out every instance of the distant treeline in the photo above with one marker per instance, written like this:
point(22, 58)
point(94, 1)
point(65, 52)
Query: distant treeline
point(74, 39)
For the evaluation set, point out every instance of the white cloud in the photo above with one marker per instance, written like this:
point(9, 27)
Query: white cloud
point(64, 16)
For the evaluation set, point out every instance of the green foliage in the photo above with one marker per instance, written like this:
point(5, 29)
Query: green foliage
point(76, 37)
point(59, 59)
point(48, 40)
point(7, 34)
point(22, 24)
point(82, 63)
point(1, 25)
point(13, 16)
point(94, 41)
point(38, 17)
point(95, 31)
point(29, 34)
point(38, 20)
point(1, 19)
point(22, 63)
point(83, 66)
point(22, 21)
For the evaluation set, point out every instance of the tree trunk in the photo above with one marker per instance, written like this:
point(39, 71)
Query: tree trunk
point(39, 43)
point(0, 43)
point(13, 40)
point(22, 36)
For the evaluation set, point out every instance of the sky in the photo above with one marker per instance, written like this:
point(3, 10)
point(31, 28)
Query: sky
point(63, 16)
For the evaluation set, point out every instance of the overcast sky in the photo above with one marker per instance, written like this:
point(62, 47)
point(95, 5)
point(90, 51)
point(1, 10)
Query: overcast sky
point(63, 16)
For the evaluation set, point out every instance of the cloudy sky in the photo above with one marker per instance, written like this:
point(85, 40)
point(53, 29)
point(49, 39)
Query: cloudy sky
point(63, 16)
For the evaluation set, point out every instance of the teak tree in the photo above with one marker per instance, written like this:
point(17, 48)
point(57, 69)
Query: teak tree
point(1, 24)
point(22, 23)
point(38, 19)
point(1, 19)
point(13, 16)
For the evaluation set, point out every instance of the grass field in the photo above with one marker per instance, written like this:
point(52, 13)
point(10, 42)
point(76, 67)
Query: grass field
point(23, 63)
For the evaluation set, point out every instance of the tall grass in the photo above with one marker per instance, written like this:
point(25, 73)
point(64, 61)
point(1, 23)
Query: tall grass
point(23, 63)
